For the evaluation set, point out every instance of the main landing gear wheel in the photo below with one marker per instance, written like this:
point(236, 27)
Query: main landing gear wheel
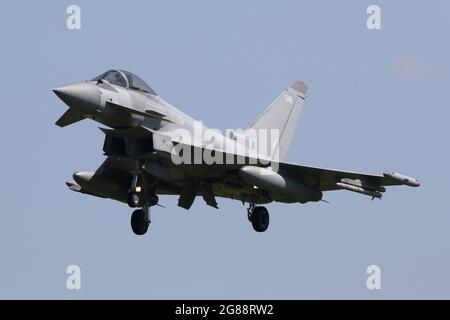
point(134, 199)
point(260, 219)
point(139, 222)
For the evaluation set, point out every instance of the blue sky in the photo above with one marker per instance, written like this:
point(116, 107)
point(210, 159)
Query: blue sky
point(378, 100)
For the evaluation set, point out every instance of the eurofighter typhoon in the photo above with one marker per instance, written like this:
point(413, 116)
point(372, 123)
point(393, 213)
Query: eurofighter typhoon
point(153, 149)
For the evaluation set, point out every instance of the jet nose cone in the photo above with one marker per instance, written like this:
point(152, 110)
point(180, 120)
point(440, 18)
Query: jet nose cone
point(84, 96)
point(62, 91)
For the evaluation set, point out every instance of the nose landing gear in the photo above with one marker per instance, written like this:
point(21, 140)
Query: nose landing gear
point(140, 218)
point(138, 197)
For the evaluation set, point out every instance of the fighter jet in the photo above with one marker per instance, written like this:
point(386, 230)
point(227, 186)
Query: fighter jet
point(149, 152)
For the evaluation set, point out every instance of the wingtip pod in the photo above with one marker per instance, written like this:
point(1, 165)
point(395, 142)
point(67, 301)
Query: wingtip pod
point(300, 87)
point(412, 182)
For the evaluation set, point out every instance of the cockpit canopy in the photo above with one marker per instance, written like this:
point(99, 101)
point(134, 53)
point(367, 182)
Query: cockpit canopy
point(125, 79)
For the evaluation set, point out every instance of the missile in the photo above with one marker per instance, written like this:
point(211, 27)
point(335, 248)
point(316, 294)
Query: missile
point(73, 186)
point(367, 192)
point(412, 182)
point(277, 183)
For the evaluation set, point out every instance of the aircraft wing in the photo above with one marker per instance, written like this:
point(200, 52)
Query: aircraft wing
point(330, 179)
point(322, 178)
point(113, 167)
point(112, 178)
point(108, 181)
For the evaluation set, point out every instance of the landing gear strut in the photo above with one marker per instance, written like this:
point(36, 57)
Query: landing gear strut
point(134, 196)
point(259, 217)
point(139, 196)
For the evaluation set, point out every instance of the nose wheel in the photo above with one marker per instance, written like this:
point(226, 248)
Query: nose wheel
point(259, 217)
point(139, 222)
point(140, 218)
point(141, 195)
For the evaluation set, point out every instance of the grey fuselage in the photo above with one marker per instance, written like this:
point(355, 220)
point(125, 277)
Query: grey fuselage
point(92, 99)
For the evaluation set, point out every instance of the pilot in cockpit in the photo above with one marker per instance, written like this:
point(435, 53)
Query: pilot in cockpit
point(125, 79)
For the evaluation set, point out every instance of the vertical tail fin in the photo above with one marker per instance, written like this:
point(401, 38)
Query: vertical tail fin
point(282, 115)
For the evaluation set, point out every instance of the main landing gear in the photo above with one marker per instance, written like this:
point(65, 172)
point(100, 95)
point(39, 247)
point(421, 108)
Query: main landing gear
point(138, 197)
point(259, 217)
